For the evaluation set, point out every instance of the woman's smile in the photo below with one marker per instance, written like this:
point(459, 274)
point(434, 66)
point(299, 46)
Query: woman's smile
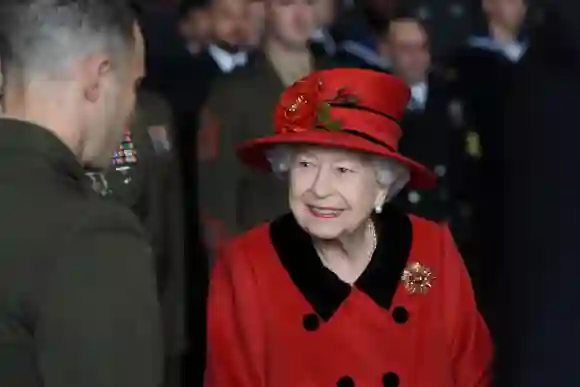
point(325, 212)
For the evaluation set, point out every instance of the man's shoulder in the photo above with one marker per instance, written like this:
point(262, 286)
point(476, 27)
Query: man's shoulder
point(51, 214)
point(45, 230)
point(106, 216)
point(108, 235)
point(106, 240)
point(103, 220)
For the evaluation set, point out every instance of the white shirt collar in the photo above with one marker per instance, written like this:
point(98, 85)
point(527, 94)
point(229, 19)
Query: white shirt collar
point(318, 35)
point(322, 36)
point(419, 94)
point(226, 61)
point(513, 50)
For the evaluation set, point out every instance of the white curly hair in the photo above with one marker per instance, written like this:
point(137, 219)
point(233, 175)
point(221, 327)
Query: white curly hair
point(390, 173)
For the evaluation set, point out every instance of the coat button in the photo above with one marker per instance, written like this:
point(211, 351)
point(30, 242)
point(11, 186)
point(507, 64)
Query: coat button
point(390, 379)
point(345, 381)
point(400, 315)
point(310, 322)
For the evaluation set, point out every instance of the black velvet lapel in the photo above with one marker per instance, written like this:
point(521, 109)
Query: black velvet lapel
point(383, 274)
point(322, 288)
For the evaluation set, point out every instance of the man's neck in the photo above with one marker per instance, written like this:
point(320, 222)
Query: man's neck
point(24, 107)
point(501, 33)
point(291, 64)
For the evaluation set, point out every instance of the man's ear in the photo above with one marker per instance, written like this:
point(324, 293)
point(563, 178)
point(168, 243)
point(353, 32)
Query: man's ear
point(95, 69)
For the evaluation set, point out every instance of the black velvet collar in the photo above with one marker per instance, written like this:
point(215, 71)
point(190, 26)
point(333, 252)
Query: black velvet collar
point(321, 287)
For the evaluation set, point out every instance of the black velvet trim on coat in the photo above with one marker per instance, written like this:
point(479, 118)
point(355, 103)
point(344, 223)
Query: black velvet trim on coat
point(321, 287)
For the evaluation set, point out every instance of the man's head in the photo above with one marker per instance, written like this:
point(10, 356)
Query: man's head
point(72, 66)
point(407, 46)
point(229, 23)
point(508, 14)
point(195, 24)
point(290, 22)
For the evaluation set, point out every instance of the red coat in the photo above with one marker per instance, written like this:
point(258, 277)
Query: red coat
point(279, 318)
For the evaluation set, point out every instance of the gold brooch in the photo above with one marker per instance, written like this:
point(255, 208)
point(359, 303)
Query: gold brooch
point(300, 100)
point(417, 278)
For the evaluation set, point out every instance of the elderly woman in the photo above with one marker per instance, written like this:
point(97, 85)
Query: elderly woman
point(345, 290)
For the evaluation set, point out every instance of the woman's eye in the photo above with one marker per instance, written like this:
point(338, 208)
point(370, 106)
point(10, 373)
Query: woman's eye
point(343, 170)
point(304, 164)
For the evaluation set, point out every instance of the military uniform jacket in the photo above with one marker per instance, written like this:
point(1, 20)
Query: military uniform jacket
point(233, 198)
point(78, 300)
point(432, 136)
point(278, 317)
point(144, 177)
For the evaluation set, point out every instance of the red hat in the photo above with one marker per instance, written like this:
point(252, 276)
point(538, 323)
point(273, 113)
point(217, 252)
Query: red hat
point(352, 109)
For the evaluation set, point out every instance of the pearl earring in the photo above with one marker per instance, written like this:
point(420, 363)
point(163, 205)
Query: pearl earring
point(378, 208)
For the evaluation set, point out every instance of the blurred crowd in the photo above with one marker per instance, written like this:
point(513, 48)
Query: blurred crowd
point(486, 97)
point(214, 72)
point(220, 65)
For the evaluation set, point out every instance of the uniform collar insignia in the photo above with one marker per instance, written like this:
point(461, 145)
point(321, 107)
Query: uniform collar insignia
point(323, 290)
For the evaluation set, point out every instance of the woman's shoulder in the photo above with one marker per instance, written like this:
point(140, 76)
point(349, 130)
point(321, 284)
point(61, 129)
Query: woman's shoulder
point(424, 227)
point(253, 238)
point(250, 245)
point(429, 237)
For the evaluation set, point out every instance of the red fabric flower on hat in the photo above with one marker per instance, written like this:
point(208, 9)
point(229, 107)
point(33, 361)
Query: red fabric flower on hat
point(301, 108)
point(297, 110)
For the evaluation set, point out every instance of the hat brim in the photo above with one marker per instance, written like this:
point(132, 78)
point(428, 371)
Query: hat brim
point(254, 152)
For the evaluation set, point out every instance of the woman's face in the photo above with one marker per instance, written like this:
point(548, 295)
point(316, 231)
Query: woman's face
point(332, 192)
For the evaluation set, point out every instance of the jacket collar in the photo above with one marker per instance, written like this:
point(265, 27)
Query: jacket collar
point(513, 51)
point(226, 61)
point(321, 287)
point(27, 140)
point(260, 65)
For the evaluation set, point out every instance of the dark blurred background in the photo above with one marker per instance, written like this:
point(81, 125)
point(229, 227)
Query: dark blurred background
point(221, 64)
